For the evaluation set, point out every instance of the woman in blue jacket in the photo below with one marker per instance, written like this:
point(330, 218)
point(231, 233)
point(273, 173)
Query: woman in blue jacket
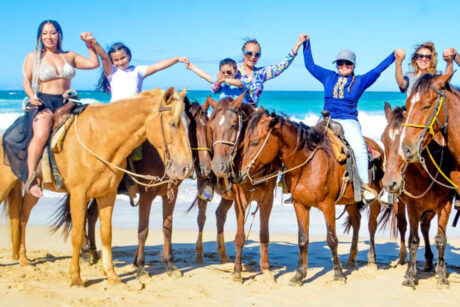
point(342, 91)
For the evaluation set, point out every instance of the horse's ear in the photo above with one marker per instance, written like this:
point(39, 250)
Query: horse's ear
point(205, 105)
point(183, 93)
point(387, 111)
point(239, 100)
point(441, 81)
point(261, 109)
point(168, 95)
point(211, 102)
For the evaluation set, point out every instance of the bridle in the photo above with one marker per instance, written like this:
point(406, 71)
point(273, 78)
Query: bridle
point(205, 149)
point(234, 144)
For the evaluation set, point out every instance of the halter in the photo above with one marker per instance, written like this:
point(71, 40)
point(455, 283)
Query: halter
point(234, 144)
point(428, 127)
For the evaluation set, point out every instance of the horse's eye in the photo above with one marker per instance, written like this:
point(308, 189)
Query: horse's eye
point(426, 107)
point(235, 127)
point(172, 124)
point(254, 143)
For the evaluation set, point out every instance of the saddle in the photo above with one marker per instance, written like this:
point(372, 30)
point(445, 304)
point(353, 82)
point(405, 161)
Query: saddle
point(344, 154)
point(63, 119)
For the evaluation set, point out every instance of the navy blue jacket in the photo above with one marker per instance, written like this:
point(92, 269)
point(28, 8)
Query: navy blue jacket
point(341, 99)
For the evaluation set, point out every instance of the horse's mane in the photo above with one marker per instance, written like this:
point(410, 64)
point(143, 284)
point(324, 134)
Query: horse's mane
point(423, 84)
point(397, 117)
point(307, 136)
point(192, 108)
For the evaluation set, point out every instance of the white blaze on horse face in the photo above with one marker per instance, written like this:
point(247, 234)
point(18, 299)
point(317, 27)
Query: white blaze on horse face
point(415, 99)
point(393, 133)
point(222, 120)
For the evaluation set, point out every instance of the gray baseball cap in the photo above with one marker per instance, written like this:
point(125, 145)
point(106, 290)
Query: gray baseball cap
point(347, 55)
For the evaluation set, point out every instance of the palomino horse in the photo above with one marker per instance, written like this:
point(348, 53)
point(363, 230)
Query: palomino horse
point(423, 197)
point(313, 176)
point(94, 149)
point(226, 129)
point(152, 164)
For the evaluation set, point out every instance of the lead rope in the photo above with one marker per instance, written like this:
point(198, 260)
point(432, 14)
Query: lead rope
point(129, 173)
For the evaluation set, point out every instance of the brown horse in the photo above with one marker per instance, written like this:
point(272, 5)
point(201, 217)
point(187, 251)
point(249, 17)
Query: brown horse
point(313, 176)
point(424, 198)
point(151, 164)
point(226, 129)
point(110, 132)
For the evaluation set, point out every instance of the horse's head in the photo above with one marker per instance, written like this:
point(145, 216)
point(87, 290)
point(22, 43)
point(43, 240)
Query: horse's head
point(201, 149)
point(169, 134)
point(424, 115)
point(226, 130)
point(260, 144)
point(394, 165)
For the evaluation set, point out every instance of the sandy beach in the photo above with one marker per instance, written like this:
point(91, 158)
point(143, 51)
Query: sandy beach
point(46, 281)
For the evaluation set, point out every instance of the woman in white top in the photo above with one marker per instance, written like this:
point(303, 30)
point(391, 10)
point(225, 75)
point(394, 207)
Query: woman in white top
point(48, 71)
point(123, 80)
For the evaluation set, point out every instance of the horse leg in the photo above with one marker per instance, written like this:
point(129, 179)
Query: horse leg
point(145, 204)
point(14, 201)
point(332, 241)
point(355, 217)
point(425, 227)
point(265, 210)
point(92, 216)
point(240, 238)
point(303, 220)
point(168, 256)
point(221, 216)
point(441, 242)
point(201, 219)
point(28, 203)
point(414, 240)
point(105, 206)
point(401, 221)
point(372, 226)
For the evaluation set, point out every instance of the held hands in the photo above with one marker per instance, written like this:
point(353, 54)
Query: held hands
point(400, 55)
point(88, 38)
point(302, 39)
point(184, 60)
point(449, 54)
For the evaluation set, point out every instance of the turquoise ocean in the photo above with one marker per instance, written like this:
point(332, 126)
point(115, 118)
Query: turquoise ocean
point(299, 105)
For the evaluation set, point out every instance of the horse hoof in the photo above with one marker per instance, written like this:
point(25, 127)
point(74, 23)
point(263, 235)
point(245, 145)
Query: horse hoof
point(340, 279)
point(141, 272)
point(409, 283)
point(427, 268)
point(269, 279)
point(199, 259)
point(402, 261)
point(372, 266)
point(114, 280)
point(173, 271)
point(93, 258)
point(15, 256)
point(351, 264)
point(224, 259)
point(24, 262)
point(76, 282)
point(236, 277)
point(297, 280)
point(443, 283)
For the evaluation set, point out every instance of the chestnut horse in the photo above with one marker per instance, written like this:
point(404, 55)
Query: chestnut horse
point(424, 198)
point(96, 146)
point(151, 164)
point(313, 176)
point(226, 129)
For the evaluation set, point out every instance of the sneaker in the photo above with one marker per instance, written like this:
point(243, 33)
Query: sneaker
point(207, 193)
point(289, 200)
point(385, 197)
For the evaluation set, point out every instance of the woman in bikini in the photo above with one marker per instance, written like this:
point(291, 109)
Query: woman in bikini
point(48, 71)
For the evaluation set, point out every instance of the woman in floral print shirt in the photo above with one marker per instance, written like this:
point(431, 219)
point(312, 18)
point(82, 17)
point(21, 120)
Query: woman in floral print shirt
point(254, 77)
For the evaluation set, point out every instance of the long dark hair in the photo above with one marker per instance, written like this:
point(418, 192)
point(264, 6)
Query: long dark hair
point(104, 85)
point(58, 29)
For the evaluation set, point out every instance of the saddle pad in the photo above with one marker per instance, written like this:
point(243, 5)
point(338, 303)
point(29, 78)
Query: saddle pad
point(57, 138)
point(338, 147)
point(373, 154)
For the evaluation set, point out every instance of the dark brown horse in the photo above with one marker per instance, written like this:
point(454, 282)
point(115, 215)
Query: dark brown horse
point(423, 197)
point(226, 129)
point(151, 164)
point(314, 177)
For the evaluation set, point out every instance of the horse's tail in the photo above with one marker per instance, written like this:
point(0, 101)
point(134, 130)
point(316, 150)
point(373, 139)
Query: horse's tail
point(13, 205)
point(195, 201)
point(388, 220)
point(348, 223)
point(61, 218)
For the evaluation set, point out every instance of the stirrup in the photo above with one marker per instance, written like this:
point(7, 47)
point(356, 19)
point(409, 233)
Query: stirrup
point(369, 193)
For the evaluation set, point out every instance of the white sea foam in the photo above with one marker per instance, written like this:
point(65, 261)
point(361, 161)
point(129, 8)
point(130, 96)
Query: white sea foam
point(6, 119)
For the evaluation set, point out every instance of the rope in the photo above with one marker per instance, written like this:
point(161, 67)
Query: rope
point(129, 173)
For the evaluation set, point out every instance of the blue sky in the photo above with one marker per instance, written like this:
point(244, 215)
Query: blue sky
point(208, 31)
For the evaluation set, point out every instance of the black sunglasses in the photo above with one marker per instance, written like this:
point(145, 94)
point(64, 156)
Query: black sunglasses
point(423, 56)
point(342, 63)
point(250, 53)
point(227, 72)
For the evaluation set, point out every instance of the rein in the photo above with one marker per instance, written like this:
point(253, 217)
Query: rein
point(133, 175)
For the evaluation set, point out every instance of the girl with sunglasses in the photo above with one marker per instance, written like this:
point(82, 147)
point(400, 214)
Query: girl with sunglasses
point(423, 61)
point(342, 91)
point(254, 77)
